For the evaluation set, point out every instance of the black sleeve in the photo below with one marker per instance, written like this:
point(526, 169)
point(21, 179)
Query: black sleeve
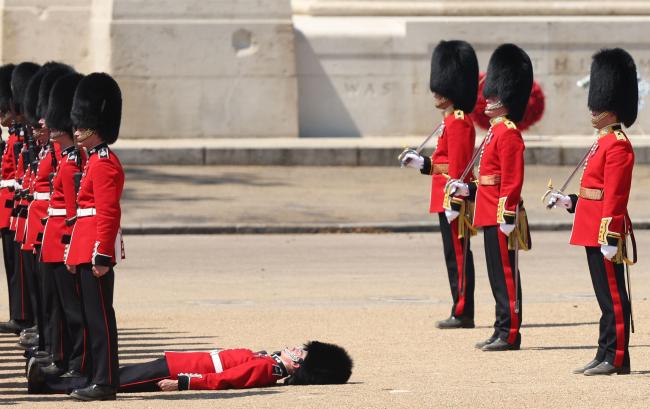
point(427, 167)
point(574, 202)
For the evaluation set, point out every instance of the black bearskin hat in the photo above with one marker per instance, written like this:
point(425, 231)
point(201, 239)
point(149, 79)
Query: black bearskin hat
point(30, 100)
point(325, 364)
point(60, 103)
point(5, 87)
point(613, 85)
point(98, 105)
point(510, 78)
point(20, 78)
point(47, 83)
point(454, 73)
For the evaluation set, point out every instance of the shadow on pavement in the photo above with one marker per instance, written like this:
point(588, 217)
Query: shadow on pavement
point(193, 396)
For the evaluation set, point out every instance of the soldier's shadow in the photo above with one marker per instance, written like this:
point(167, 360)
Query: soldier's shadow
point(194, 396)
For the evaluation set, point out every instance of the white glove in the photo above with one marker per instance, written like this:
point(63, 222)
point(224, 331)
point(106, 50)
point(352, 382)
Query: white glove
point(506, 228)
point(451, 215)
point(458, 188)
point(413, 160)
point(608, 251)
point(558, 199)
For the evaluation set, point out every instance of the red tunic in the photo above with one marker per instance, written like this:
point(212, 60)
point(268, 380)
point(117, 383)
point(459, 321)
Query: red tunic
point(225, 369)
point(64, 200)
point(8, 175)
point(608, 168)
point(502, 160)
point(20, 174)
point(49, 157)
point(455, 148)
point(21, 220)
point(96, 237)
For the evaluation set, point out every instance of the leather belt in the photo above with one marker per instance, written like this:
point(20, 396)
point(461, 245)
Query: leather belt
point(41, 195)
point(440, 168)
point(86, 212)
point(591, 194)
point(489, 180)
point(56, 212)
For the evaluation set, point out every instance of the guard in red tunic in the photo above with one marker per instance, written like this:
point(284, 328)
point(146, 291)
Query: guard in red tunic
point(67, 338)
point(499, 207)
point(42, 168)
point(602, 224)
point(96, 244)
point(19, 316)
point(316, 363)
point(23, 276)
point(454, 84)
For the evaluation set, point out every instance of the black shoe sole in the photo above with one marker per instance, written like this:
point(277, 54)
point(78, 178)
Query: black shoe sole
point(90, 399)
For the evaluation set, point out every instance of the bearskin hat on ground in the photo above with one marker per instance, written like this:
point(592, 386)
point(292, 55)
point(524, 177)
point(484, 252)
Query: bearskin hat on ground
point(510, 79)
point(454, 73)
point(60, 103)
point(5, 87)
point(325, 364)
point(98, 105)
point(20, 78)
point(613, 85)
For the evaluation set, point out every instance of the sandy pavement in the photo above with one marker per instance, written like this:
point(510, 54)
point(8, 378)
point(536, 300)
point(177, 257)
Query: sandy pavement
point(377, 295)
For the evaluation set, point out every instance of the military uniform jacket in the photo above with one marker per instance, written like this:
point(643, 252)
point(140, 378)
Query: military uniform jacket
point(225, 369)
point(8, 175)
point(22, 205)
point(18, 186)
point(63, 206)
point(48, 159)
point(608, 168)
point(96, 235)
point(454, 151)
point(501, 175)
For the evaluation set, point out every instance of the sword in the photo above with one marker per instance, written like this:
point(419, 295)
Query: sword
point(629, 295)
point(436, 132)
point(516, 260)
point(550, 188)
point(464, 270)
point(475, 156)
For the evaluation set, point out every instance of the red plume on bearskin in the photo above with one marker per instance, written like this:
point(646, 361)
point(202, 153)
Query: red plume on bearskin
point(534, 109)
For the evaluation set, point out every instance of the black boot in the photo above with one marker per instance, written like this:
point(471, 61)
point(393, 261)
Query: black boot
point(14, 326)
point(480, 345)
point(53, 369)
point(35, 377)
point(594, 363)
point(94, 392)
point(501, 345)
point(455, 322)
point(605, 368)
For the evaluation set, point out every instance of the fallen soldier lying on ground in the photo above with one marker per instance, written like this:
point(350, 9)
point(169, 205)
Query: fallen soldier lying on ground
point(311, 364)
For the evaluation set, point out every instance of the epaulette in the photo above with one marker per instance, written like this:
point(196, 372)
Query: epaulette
point(459, 114)
point(620, 135)
point(103, 153)
point(510, 124)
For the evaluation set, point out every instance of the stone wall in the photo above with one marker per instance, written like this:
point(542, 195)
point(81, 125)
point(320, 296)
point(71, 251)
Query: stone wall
point(372, 71)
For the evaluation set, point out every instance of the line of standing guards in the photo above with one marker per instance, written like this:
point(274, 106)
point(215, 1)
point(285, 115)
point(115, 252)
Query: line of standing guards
point(491, 199)
point(60, 219)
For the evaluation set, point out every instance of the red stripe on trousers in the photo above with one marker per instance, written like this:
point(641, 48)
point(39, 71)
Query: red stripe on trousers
point(618, 313)
point(108, 335)
point(458, 249)
point(510, 286)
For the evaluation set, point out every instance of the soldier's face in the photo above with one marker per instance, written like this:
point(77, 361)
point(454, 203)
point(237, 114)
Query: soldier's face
point(87, 138)
point(494, 107)
point(440, 102)
point(43, 133)
point(296, 355)
point(603, 119)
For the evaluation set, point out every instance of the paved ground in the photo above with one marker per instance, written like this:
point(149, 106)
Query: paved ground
point(178, 198)
point(378, 295)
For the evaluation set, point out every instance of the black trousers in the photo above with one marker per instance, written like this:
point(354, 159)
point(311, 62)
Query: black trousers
point(141, 377)
point(66, 327)
point(20, 299)
point(97, 302)
point(8, 257)
point(501, 273)
point(608, 280)
point(462, 286)
point(33, 281)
